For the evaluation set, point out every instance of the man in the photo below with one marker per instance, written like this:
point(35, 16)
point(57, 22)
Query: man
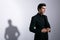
point(12, 32)
point(39, 24)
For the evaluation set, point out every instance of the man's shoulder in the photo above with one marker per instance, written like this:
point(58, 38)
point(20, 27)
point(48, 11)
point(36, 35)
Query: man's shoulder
point(34, 17)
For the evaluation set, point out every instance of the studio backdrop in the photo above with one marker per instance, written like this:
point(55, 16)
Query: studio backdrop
point(19, 13)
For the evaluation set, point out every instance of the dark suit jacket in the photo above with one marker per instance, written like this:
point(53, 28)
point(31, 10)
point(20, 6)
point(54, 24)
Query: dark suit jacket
point(38, 22)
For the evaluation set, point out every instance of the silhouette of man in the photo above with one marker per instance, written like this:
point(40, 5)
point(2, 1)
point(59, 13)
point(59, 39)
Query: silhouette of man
point(12, 32)
point(39, 24)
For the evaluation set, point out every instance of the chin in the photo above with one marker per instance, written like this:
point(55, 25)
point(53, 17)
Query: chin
point(43, 12)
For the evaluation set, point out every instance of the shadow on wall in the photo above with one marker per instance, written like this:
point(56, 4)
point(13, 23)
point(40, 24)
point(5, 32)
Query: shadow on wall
point(11, 32)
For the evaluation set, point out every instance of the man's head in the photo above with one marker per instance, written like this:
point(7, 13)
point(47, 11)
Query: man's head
point(9, 22)
point(41, 8)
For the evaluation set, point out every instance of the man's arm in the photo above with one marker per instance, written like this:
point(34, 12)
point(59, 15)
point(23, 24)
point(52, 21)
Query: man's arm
point(6, 34)
point(32, 27)
point(47, 24)
point(17, 33)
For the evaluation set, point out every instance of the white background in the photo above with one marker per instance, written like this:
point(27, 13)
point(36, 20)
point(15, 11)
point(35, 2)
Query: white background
point(21, 11)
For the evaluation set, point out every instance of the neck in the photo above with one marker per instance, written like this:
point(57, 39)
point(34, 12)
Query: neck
point(40, 13)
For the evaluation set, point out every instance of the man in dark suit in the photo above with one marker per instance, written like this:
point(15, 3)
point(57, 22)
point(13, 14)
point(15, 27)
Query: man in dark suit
point(39, 24)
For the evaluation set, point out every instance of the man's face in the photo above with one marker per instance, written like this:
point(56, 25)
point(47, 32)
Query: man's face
point(42, 10)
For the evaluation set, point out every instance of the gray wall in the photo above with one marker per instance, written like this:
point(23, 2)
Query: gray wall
point(21, 11)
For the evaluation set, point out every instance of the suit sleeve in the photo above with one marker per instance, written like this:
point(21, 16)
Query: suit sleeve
point(32, 25)
point(47, 22)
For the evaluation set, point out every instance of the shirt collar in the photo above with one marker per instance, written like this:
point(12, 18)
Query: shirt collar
point(39, 14)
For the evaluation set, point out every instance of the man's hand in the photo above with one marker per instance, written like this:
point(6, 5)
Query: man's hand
point(48, 29)
point(44, 30)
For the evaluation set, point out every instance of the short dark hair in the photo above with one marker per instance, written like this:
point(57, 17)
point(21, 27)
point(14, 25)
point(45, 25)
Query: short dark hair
point(40, 6)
